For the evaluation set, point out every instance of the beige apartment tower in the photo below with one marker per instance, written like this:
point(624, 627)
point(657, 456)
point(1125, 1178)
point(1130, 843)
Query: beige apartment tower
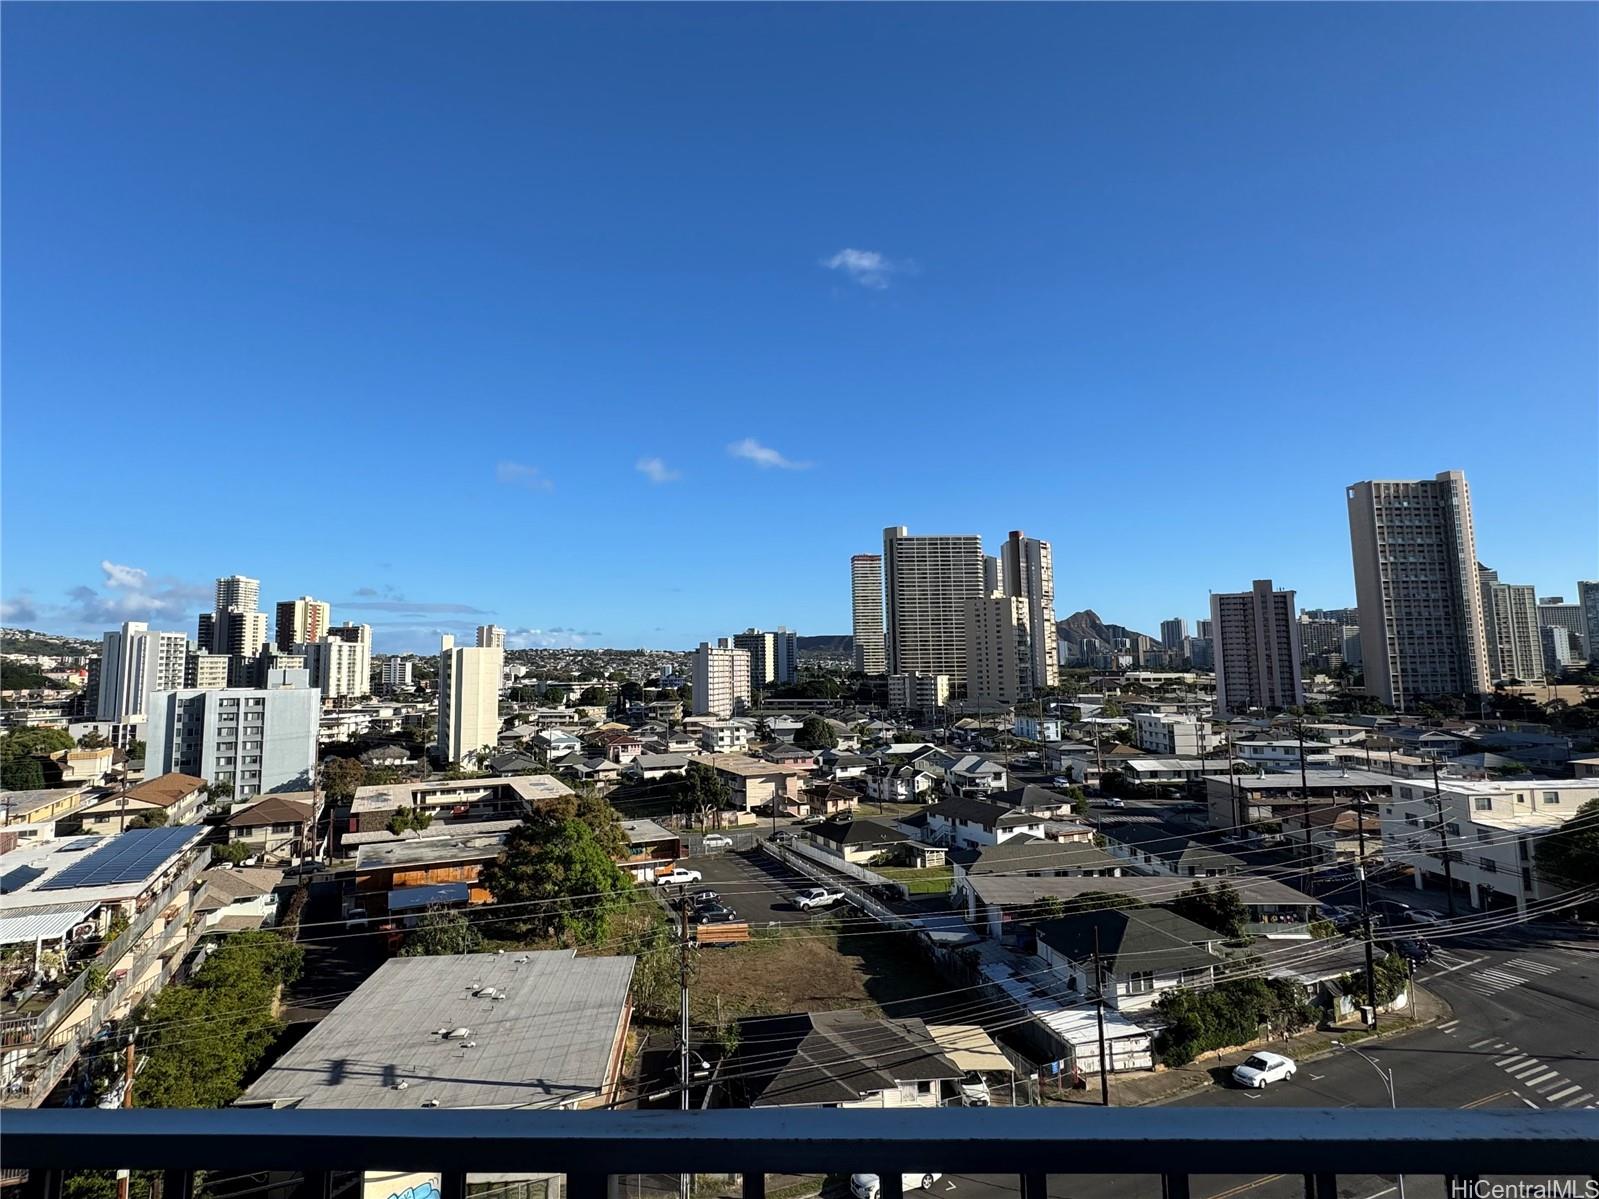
point(302, 620)
point(1422, 632)
point(1027, 571)
point(1510, 624)
point(927, 581)
point(721, 679)
point(469, 698)
point(1255, 640)
point(866, 603)
point(490, 636)
point(999, 649)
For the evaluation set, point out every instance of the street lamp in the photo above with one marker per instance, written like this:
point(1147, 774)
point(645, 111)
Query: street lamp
point(1387, 1077)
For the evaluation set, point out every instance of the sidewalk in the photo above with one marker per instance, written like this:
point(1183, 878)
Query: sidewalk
point(1162, 1086)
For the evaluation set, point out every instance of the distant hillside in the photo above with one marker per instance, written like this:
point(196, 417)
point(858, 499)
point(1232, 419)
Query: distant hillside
point(1086, 624)
point(838, 645)
point(31, 641)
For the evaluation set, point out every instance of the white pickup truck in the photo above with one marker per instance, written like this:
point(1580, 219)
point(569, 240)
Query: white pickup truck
point(677, 876)
point(817, 897)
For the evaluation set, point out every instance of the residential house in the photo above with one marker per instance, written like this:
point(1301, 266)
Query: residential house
point(755, 783)
point(967, 823)
point(387, 757)
point(1425, 742)
point(274, 828)
point(670, 741)
point(901, 782)
point(1030, 857)
point(556, 1038)
point(86, 767)
point(1281, 753)
point(648, 767)
point(552, 743)
point(168, 799)
point(790, 755)
point(620, 746)
point(859, 842)
point(238, 899)
point(724, 736)
point(841, 767)
point(823, 798)
point(838, 1059)
point(973, 774)
point(650, 847)
point(454, 800)
point(1143, 953)
point(1335, 834)
point(1156, 849)
point(408, 875)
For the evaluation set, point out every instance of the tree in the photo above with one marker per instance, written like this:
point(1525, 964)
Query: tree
point(1569, 856)
point(591, 697)
point(93, 739)
point(655, 977)
point(703, 791)
point(558, 880)
point(555, 695)
point(442, 932)
point(22, 774)
point(763, 730)
point(203, 1038)
point(340, 778)
point(406, 819)
point(219, 791)
point(816, 733)
point(1221, 910)
point(631, 692)
point(231, 852)
point(153, 819)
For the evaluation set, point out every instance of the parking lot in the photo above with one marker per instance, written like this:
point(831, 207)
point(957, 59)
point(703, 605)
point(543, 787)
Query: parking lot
point(758, 887)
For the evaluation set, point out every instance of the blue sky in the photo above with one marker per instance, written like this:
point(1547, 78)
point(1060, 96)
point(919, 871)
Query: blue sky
point(628, 325)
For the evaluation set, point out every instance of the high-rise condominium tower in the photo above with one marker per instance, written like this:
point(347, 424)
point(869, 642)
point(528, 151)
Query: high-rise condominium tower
point(490, 636)
point(1588, 597)
point(999, 649)
point(1256, 646)
point(927, 581)
point(1422, 632)
point(1173, 631)
point(301, 620)
point(469, 698)
point(721, 678)
point(1510, 624)
point(134, 664)
point(1028, 573)
point(866, 603)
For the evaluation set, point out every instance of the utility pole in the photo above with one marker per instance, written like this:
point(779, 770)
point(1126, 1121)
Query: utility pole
point(1232, 787)
point(1365, 907)
point(1099, 1019)
point(1443, 837)
point(683, 1180)
point(123, 1176)
point(1304, 794)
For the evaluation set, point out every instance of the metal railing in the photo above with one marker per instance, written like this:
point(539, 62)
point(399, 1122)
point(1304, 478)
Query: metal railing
point(1029, 1144)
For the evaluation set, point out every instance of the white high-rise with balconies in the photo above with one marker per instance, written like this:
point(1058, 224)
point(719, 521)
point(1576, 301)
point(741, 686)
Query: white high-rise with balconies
point(1255, 640)
point(762, 649)
point(1422, 630)
point(927, 582)
point(866, 604)
point(469, 698)
point(999, 649)
point(721, 678)
point(136, 661)
point(341, 663)
point(1027, 571)
point(490, 636)
point(1510, 618)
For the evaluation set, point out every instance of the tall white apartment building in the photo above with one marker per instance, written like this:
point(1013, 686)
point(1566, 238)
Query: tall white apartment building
point(1027, 570)
point(395, 675)
point(490, 636)
point(927, 581)
point(721, 679)
point(340, 666)
point(134, 662)
point(1255, 641)
point(786, 642)
point(238, 591)
point(923, 694)
point(469, 698)
point(1173, 632)
point(762, 649)
point(204, 671)
point(999, 649)
point(866, 604)
point(1561, 651)
point(1490, 829)
point(301, 621)
point(1422, 631)
point(1510, 616)
point(1554, 612)
point(236, 627)
point(259, 741)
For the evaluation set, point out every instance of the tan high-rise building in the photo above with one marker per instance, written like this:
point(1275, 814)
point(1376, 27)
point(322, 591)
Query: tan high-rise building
point(762, 648)
point(927, 581)
point(1028, 572)
point(302, 620)
point(721, 679)
point(866, 602)
point(1255, 640)
point(469, 698)
point(999, 649)
point(490, 636)
point(1422, 632)
point(341, 663)
point(1510, 624)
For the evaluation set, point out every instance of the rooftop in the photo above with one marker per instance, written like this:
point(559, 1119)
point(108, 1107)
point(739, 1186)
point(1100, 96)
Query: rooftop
point(547, 1038)
point(429, 851)
point(1147, 938)
point(91, 870)
point(1028, 853)
point(165, 790)
point(530, 788)
point(1016, 890)
point(287, 808)
point(819, 1058)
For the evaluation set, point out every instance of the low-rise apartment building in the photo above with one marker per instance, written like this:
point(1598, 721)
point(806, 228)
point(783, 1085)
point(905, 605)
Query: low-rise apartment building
point(1174, 736)
point(1143, 953)
point(167, 800)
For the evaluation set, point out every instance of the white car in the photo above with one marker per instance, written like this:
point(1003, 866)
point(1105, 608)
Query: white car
point(973, 1090)
point(716, 841)
point(867, 1186)
point(1417, 916)
point(817, 897)
point(1262, 1068)
point(675, 876)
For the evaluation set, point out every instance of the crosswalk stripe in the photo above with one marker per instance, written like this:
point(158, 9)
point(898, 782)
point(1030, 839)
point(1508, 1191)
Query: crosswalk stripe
point(1522, 1073)
point(1511, 1061)
point(1447, 1026)
point(1535, 967)
point(1558, 1095)
point(1541, 1081)
point(1481, 1043)
point(1583, 1098)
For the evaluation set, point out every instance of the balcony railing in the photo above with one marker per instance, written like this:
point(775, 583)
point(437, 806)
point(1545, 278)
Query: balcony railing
point(593, 1148)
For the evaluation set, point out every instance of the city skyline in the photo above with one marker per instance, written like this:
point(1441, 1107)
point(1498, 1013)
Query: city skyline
point(1123, 246)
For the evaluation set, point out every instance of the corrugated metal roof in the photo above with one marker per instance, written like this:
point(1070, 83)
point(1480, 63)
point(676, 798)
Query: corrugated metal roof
point(47, 923)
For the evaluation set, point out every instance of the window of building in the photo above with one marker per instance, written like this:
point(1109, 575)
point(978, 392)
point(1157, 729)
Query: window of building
point(1482, 803)
point(1488, 865)
point(1483, 836)
point(1141, 981)
point(1551, 797)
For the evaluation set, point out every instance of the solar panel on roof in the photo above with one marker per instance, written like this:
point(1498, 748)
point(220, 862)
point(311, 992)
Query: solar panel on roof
point(15, 880)
point(126, 858)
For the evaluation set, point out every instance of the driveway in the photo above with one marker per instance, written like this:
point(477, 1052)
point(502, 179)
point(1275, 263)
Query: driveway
point(756, 886)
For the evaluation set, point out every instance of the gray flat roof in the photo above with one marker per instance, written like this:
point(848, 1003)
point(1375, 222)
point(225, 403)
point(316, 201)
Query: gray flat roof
point(388, 796)
point(429, 850)
point(1015, 890)
point(549, 1042)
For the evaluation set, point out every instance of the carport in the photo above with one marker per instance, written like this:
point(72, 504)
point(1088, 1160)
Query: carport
point(971, 1048)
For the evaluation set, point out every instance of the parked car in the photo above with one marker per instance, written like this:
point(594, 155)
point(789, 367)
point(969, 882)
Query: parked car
point(716, 914)
point(1259, 1069)
point(867, 1186)
point(1060, 780)
point(1390, 909)
point(972, 1090)
point(817, 897)
point(1413, 949)
point(676, 876)
point(783, 837)
point(704, 897)
point(1417, 916)
point(716, 841)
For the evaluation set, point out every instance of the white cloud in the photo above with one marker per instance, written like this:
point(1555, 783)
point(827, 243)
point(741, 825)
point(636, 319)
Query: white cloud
point(656, 470)
point(867, 267)
point(518, 474)
point(763, 456)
